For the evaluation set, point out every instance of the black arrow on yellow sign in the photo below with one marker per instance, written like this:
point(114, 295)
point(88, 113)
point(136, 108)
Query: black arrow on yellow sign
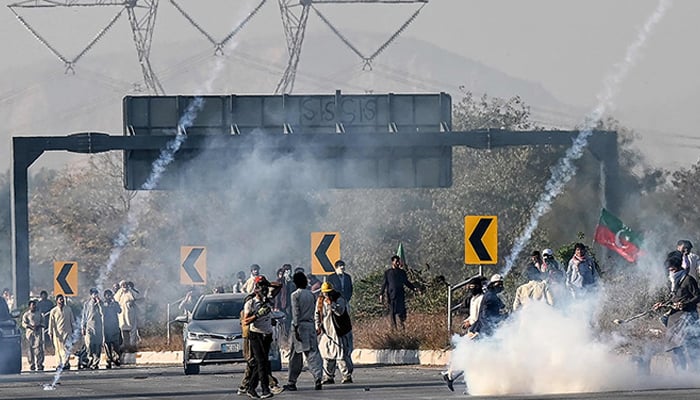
point(61, 279)
point(189, 265)
point(475, 239)
point(321, 250)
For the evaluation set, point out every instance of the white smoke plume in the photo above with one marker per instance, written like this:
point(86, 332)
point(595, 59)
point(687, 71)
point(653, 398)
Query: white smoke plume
point(565, 169)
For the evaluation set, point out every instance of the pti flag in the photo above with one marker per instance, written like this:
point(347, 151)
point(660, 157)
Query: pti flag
point(400, 253)
point(615, 235)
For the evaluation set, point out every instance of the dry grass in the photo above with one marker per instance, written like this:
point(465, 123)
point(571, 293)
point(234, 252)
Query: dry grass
point(422, 332)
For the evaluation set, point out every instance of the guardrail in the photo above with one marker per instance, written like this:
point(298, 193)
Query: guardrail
point(168, 320)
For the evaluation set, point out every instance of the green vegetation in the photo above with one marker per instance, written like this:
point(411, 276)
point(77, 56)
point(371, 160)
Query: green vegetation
point(76, 213)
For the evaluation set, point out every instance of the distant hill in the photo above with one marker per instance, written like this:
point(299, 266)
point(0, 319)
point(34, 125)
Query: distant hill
point(42, 100)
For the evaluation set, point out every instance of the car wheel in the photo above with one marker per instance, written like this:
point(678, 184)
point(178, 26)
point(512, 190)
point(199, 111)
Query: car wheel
point(191, 369)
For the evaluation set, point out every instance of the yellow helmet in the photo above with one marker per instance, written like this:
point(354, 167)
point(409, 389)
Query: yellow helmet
point(326, 287)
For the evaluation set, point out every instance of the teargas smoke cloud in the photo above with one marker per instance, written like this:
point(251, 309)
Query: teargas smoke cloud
point(547, 350)
point(167, 155)
point(565, 169)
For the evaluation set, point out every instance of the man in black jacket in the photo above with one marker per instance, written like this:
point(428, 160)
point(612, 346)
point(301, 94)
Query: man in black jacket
point(341, 281)
point(682, 332)
point(395, 279)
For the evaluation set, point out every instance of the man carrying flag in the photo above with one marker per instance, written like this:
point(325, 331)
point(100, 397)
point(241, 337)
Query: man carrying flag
point(402, 257)
point(615, 235)
point(395, 278)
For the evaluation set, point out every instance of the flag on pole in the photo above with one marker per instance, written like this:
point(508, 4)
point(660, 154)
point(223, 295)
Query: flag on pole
point(615, 235)
point(400, 253)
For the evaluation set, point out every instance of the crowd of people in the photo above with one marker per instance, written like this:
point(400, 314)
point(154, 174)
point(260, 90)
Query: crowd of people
point(547, 282)
point(108, 323)
point(317, 323)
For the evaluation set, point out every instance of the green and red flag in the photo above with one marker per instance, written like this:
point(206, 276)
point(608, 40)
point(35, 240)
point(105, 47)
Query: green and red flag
point(402, 256)
point(615, 235)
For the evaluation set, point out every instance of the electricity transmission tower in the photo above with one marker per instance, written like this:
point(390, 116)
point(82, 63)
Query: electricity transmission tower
point(218, 44)
point(295, 15)
point(142, 18)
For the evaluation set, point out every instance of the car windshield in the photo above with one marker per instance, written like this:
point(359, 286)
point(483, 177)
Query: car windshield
point(218, 309)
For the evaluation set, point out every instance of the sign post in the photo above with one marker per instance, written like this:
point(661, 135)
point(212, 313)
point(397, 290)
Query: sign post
point(193, 265)
point(480, 240)
point(65, 278)
point(325, 251)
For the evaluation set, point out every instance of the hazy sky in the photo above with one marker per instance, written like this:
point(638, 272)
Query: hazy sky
point(566, 46)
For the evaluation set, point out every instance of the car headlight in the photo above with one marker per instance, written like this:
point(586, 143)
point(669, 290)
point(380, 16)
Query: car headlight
point(196, 336)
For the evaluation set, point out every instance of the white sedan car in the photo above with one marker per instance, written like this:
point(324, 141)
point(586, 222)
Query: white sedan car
point(212, 334)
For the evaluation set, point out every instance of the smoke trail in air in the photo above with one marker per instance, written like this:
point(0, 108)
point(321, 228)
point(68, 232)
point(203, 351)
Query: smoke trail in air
point(565, 169)
point(167, 155)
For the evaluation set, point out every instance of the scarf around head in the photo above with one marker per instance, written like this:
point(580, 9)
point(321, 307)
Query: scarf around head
point(675, 278)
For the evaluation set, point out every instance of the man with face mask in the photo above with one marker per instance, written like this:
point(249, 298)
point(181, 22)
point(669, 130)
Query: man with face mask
point(690, 260)
point(492, 307)
point(681, 320)
point(476, 295)
point(341, 281)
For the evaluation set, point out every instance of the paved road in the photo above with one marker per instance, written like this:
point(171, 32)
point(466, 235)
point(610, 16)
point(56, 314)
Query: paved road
point(389, 383)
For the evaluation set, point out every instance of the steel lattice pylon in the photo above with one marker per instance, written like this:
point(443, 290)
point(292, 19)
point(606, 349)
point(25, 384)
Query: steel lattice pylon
point(295, 15)
point(142, 16)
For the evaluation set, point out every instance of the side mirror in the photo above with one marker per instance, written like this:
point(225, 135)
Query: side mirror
point(181, 318)
point(15, 313)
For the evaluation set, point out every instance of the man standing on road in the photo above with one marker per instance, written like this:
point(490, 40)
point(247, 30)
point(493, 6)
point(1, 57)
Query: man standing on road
point(113, 335)
point(61, 328)
point(341, 281)
point(335, 330)
point(257, 315)
point(395, 279)
point(92, 328)
point(44, 306)
point(127, 298)
point(303, 340)
point(32, 322)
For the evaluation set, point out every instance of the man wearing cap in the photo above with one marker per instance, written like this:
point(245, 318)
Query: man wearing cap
point(257, 316)
point(335, 334)
point(249, 285)
point(303, 339)
point(475, 294)
point(491, 312)
point(682, 318)
point(92, 328)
